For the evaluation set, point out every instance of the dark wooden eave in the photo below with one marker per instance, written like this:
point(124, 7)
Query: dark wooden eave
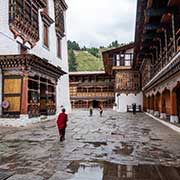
point(64, 5)
point(159, 12)
point(46, 18)
point(30, 62)
point(120, 49)
point(41, 3)
point(152, 35)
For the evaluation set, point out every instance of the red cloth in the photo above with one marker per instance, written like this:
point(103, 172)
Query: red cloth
point(62, 121)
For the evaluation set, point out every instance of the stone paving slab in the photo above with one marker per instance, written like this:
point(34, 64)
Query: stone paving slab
point(117, 138)
point(26, 177)
point(4, 175)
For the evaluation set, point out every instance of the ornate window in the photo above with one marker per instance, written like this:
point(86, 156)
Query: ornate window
point(60, 7)
point(46, 35)
point(23, 19)
point(59, 54)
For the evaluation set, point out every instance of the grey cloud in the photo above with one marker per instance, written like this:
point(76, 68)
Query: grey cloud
point(99, 22)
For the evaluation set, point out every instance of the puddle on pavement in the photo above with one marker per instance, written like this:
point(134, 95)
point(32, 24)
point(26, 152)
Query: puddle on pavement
point(107, 170)
point(96, 144)
point(124, 149)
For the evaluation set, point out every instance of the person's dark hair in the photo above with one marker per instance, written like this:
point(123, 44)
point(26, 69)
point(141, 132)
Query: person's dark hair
point(63, 110)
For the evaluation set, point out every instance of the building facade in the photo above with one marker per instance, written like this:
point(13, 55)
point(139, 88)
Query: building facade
point(33, 58)
point(119, 62)
point(157, 56)
point(91, 89)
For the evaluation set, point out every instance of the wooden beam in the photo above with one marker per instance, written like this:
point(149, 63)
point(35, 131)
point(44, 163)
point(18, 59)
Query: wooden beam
point(24, 100)
point(152, 12)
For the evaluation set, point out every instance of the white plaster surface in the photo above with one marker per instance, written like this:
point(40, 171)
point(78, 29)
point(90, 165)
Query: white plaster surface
point(174, 119)
point(123, 100)
point(24, 120)
point(163, 115)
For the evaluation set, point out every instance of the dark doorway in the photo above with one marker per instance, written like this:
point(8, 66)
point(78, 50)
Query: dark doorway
point(178, 101)
point(95, 104)
point(43, 99)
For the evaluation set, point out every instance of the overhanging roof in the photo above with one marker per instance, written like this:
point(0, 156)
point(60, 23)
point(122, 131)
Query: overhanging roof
point(30, 62)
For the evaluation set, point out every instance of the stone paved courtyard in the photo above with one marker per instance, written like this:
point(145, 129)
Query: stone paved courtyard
point(113, 147)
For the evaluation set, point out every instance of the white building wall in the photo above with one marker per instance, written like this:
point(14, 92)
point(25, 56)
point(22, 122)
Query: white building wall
point(123, 100)
point(8, 45)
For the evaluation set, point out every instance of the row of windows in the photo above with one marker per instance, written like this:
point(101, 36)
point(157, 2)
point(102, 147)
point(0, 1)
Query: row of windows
point(85, 80)
point(46, 40)
point(23, 49)
point(124, 80)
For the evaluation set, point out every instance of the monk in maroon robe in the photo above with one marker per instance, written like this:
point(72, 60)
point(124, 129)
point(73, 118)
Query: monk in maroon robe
point(62, 124)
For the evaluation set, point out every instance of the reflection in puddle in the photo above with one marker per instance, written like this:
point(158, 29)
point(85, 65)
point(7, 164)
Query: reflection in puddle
point(124, 149)
point(96, 144)
point(111, 171)
point(83, 171)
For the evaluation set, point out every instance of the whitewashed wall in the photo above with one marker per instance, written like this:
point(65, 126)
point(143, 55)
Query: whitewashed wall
point(123, 100)
point(8, 45)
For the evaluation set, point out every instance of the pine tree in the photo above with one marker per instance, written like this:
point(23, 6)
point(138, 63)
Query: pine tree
point(72, 61)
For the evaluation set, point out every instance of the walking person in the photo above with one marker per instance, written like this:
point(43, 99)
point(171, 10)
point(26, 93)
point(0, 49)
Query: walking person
point(62, 124)
point(90, 111)
point(61, 107)
point(100, 110)
point(134, 108)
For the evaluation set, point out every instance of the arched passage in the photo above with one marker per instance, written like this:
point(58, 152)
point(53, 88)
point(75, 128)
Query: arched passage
point(157, 104)
point(178, 101)
point(175, 104)
point(152, 104)
point(149, 103)
point(166, 105)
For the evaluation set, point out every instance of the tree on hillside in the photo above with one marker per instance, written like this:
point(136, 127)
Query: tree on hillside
point(94, 51)
point(84, 48)
point(72, 61)
point(73, 45)
point(114, 44)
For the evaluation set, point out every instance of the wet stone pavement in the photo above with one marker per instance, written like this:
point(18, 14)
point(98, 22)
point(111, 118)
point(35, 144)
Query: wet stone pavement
point(117, 146)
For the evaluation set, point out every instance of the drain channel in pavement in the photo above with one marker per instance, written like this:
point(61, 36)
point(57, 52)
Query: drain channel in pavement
point(107, 170)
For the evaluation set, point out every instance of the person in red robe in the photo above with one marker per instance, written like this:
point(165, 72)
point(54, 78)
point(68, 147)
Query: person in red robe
point(62, 124)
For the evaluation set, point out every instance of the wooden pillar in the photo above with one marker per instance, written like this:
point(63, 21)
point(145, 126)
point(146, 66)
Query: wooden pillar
point(155, 103)
point(145, 103)
point(24, 100)
point(47, 100)
point(173, 104)
point(162, 107)
point(152, 102)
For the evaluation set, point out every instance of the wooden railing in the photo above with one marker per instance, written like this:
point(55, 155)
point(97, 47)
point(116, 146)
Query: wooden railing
point(95, 94)
point(167, 56)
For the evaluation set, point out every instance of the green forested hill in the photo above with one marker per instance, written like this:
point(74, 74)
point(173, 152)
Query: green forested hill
point(87, 62)
point(87, 59)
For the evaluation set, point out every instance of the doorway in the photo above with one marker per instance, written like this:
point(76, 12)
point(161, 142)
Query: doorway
point(95, 104)
point(178, 101)
point(43, 99)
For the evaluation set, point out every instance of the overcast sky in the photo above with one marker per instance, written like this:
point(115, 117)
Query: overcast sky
point(99, 22)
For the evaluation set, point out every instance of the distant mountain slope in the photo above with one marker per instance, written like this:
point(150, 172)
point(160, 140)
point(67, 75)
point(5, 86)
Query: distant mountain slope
point(87, 62)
